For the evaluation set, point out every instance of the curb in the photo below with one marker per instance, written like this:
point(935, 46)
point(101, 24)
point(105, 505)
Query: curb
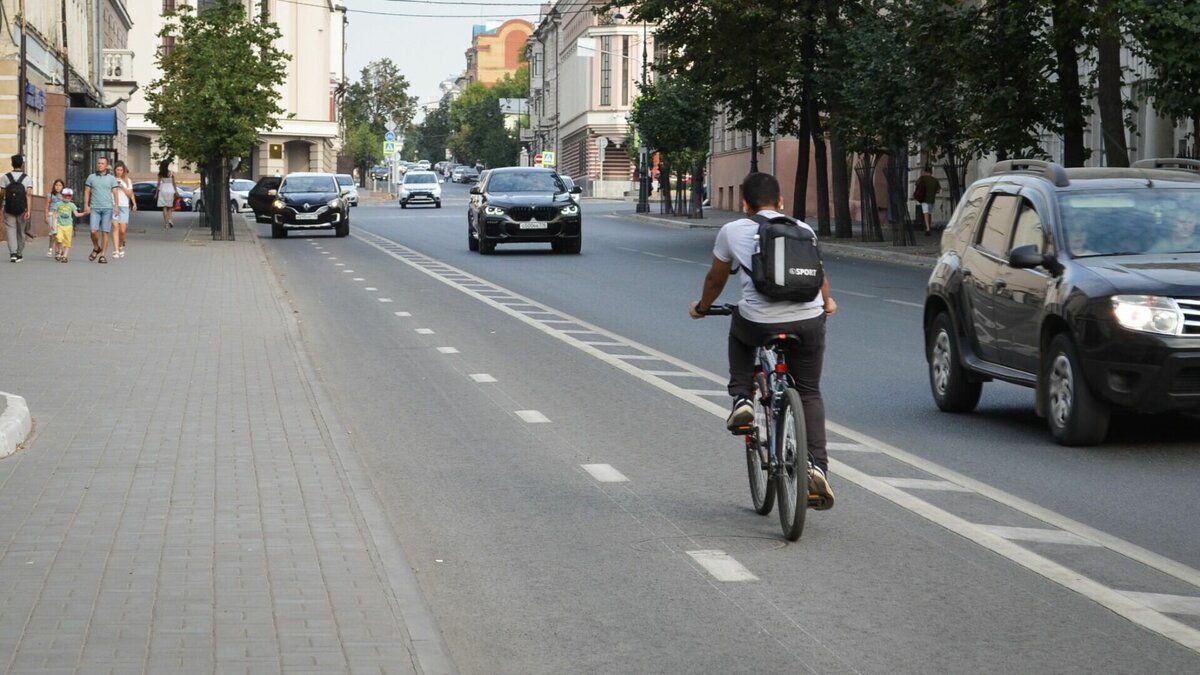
point(15, 424)
point(848, 250)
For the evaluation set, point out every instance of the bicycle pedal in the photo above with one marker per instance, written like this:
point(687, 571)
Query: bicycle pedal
point(742, 431)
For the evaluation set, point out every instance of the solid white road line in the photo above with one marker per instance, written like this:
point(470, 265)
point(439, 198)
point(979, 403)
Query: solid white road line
point(482, 377)
point(839, 291)
point(922, 484)
point(532, 416)
point(707, 392)
point(1168, 604)
point(721, 566)
point(447, 350)
point(605, 473)
point(905, 303)
point(403, 313)
point(1038, 534)
point(385, 299)
point(849, 447)
point(671, 373)
point(424, 331)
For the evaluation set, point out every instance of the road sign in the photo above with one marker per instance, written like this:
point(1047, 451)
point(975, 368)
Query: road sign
point(389, 125)
point(389, 136)
point(389, 148)
point(602, 142)
point(539, 159)
point(548, 158)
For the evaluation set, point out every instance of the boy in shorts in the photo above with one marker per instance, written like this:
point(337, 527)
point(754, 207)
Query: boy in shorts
point(64, 222)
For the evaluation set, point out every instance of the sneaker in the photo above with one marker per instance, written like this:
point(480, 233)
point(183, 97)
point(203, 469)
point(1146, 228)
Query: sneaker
point(12, 258)
point(19, 258)
point(742, 414)
point(50, 253)
point(820, 495)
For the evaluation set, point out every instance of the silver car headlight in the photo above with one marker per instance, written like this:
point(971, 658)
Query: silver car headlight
point(1148, 313)
point(493, 210)
point(570, 210)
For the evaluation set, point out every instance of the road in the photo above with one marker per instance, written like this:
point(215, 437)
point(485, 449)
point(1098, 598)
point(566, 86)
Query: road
point(495, 400)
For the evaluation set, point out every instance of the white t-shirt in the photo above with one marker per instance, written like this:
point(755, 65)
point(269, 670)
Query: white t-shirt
point(735, 245)
point(18, 177)
point(122, 197)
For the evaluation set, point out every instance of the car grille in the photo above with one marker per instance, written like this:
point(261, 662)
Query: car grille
point(1187, 381)
point(524, 213)
point(1191, 315)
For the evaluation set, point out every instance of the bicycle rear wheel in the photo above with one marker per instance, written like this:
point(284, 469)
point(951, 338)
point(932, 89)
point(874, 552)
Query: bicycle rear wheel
point(792, 472)
point(762, 488)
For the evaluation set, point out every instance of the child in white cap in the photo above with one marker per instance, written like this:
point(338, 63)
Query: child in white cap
point(64, 217)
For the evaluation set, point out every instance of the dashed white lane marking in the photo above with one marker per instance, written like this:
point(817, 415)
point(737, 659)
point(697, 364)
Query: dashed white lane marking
point(403, 313)
point(854, 293)
point(339, 265)
point(347, 271)
point(385, 299)
point(721, 566)
point(905, 303)
point(424, 331)
point(324, 252)
point(850, 447)
point(482, 377)
point(447, 350)
point(532, 416)
point(654, 255)
point(635, 357)
point(603, 344)
point(370, 288)
point(605, 473)
point(358, 279)
point(333, 257)
point(685, 260)
point(923, 484)
point(1037, 534)
point(1168, 604)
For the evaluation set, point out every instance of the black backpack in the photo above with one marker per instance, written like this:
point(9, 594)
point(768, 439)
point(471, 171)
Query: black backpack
point(786, 264)
point(16, 201)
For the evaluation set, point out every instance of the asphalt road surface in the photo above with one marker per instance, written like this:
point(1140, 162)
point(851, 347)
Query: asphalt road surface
point(546, 433)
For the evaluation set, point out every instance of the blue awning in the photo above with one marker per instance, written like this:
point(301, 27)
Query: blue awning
point(100, 121)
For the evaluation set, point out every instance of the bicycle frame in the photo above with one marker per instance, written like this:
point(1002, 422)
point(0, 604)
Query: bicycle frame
point(772, 365)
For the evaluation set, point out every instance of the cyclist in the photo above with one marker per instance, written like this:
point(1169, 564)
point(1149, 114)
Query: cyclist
point(759, 318)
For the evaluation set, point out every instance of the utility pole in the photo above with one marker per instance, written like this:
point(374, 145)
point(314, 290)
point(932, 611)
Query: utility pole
point(643, 205)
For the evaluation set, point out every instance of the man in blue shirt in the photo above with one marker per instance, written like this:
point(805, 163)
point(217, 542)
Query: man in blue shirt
point(98, 200)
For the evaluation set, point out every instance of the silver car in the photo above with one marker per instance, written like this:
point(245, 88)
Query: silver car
point(346, 183)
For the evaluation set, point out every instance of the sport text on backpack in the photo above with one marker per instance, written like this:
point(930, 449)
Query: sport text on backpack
point(16, 201)
point(786, 264)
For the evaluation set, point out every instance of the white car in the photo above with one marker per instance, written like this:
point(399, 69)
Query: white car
point(423, 164)
point(420, 186)
point(346, 182)
point(239, 194)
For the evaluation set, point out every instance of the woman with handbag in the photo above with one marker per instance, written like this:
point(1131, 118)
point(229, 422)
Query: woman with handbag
point(166, 192)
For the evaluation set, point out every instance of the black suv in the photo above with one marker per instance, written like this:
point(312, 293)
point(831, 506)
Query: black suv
point(516, 205)
point(1081, 283)
point(306, 201)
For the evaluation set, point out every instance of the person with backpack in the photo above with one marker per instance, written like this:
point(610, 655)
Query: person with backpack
point(17, 208)
point(784, 290)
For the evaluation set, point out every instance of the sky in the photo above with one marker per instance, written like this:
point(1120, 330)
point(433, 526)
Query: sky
point(426, 46)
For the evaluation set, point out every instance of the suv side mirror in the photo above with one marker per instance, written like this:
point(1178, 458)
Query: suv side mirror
point(272, 193)
point(576, 190)
point(1029, 257)
point(475, 190)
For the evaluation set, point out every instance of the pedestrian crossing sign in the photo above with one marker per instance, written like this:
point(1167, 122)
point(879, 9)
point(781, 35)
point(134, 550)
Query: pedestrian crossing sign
point(389, 147)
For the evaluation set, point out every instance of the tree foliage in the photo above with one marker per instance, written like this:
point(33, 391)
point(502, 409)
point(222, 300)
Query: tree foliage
point(364, 146)
point(478, 132)
point(1165, 34)
point(380, 95)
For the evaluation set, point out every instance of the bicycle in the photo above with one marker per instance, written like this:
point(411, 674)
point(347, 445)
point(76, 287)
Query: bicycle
point(775, 439)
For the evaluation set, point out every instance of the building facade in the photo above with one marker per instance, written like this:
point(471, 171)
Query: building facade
point(308, 137)
point(496, 52)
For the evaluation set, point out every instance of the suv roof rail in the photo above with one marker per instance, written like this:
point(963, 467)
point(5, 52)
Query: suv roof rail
point(1052, 171)
point(1177, 163)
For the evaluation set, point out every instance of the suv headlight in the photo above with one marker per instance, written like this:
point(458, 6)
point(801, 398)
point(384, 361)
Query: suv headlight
point(1148, 313)
point(570, 210)
point(334, 203)
point(493, 210)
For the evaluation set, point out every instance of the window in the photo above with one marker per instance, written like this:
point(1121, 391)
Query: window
point(997, 224)
point(625, 70)
point(606, 70)
point(1029, 228)
point(168, 44)
point(168, 5)
point(972, 206)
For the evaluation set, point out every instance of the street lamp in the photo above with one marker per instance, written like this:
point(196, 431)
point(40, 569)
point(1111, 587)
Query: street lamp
point(643, 205)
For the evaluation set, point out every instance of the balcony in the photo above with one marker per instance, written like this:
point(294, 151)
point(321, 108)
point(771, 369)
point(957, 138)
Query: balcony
point(118, 66)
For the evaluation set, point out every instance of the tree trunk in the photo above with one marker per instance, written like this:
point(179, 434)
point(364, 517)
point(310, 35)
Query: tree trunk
point(1068, 35)
point(754, 148)
point(1111, 81)
point(820, 166)
point(664, 183)
point(803, 148)
point(843, 225)
point(218, 207)
point(697, 190)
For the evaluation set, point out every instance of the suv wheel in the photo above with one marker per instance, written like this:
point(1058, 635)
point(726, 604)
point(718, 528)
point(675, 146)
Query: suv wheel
point(952, 391)
point(342, 229)
point(1076, 416)
point(472, 242)
point(277, 231)
point(486, 246)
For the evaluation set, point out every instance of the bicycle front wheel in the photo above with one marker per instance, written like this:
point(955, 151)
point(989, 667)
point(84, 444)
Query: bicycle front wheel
point(762, 488)
point(791, 475)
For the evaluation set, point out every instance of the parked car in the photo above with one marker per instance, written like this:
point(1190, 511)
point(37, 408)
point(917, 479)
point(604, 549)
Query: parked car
point(420, 187)
point(239, 191)
point(524, 204)
point(261, 196)
point(1083, 284)
point(145, 195)
point(423, 164)
point(567, 180)
point(306, 201)
point(380, 172)
point(464, 174)
point(346, 182)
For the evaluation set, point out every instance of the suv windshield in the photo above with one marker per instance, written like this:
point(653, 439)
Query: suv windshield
point(420, 178)
point(308, 184)
point(345, 180)
point(1131, 222)
point(532, 181)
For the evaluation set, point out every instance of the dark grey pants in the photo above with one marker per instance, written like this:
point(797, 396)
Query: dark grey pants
point(804, 363)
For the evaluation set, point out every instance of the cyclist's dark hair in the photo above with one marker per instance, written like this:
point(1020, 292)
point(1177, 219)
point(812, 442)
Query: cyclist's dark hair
point(760, 190)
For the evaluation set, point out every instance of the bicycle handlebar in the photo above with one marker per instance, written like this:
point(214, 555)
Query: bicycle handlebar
point(720, 310)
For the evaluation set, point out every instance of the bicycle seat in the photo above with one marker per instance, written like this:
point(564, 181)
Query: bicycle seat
point(782, 340)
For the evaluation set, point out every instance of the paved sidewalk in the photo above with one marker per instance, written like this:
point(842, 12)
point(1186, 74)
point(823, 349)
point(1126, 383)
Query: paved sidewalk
point(188, 502)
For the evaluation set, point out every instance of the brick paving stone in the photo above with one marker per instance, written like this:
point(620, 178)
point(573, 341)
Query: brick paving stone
point(180, 507)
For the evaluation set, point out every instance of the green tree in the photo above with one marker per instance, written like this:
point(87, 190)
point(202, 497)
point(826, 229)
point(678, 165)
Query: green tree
point(675, 120)
point(431, 136)
point(478, 131)
point(217, 92)
point(364, 146)
point(1166, 33)
point(380, 95)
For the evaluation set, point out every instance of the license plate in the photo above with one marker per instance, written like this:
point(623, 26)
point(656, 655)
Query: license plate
point(533, 225)
point(306, 216)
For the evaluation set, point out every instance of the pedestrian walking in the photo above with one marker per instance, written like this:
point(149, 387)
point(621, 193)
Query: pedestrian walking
point(65, 214)
point(98, 207)
point(125, 203)
point(17, 206)
point(925, 193)
point(52, 200)
point(166, 192)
